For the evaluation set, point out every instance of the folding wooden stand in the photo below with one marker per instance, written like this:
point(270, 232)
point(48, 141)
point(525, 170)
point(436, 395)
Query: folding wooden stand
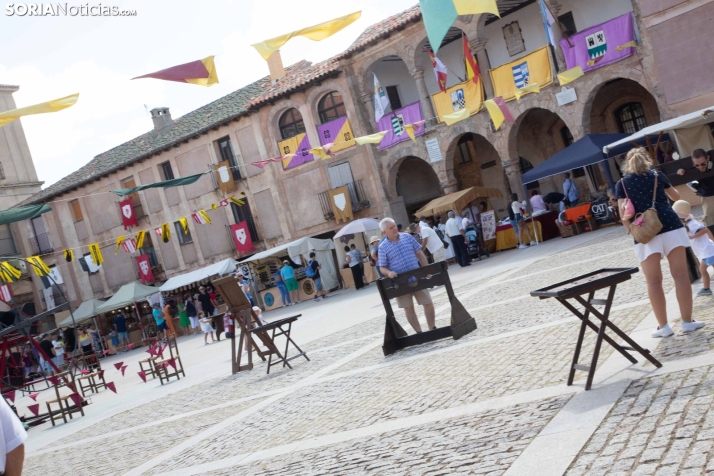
point(395, 337)
point(575, 289)
point(278, 330)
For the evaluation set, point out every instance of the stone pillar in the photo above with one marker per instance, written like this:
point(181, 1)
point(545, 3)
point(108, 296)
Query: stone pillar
point(424, 99)
point(512, 168)
point(368, 101)
point(479, 48)
point(450, 186)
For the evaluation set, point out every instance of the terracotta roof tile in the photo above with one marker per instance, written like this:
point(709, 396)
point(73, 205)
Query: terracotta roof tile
point(383, 28)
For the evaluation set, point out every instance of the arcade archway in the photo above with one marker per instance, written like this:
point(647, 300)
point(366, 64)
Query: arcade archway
point(416, 183)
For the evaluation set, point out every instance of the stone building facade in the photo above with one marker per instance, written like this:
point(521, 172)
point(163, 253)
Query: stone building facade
point(285, 204)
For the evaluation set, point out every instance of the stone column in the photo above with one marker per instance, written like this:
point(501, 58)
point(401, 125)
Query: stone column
point(512, 168)
point(479, 48)
point(368, 101)
point(450, 186)
point(424, 99)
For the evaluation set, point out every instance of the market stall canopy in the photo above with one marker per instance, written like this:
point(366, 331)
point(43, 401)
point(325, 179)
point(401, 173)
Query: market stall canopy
point(587, 150)
point(358, 226)
point(691, 120)
point(23, 213)
point(85, 310)
point(127, 296)
point(457, 200)
point(294, 248)
point(222, 268)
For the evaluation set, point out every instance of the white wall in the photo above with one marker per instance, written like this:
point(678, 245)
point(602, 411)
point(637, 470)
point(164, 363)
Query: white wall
point(586, 13)
point(391, 73)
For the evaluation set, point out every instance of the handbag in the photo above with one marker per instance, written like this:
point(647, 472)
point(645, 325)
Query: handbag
point(646, 225)
point(627, 210)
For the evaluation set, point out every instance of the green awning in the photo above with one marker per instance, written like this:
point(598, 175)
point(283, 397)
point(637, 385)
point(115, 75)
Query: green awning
point(165, 184)
point(23, 213)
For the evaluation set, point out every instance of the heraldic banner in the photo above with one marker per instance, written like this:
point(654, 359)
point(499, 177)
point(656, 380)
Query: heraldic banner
point(128, 218)
point(601, 44)
point(298, 145)
point(142, 262)
point(338, 132)
point(241, 237)
point(341, 203)
point(394, 123)
point(535, 68)
point(224, 177)
point(466, 94)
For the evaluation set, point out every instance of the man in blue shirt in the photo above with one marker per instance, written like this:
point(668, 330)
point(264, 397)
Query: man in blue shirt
point(161, 325)
point(570, 190)
point(400, 253)
point(122, 331)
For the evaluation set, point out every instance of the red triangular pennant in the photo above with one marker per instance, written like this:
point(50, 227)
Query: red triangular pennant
point(34, 396)
point(85, 372)
point(106, 352)
point(123, 369)
point(10, 396)
point(129, 346)
point(76, 398)
point(172, 363)
point(53, 380)
point(118, 365)
point(35, 409)
point(112, 387)
point(142, 374)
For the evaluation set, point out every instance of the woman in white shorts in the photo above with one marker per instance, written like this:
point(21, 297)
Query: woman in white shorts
point(672, 241)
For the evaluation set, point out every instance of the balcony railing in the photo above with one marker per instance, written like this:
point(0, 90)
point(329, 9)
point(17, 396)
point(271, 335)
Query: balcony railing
point(41, 244)
point(357, 197)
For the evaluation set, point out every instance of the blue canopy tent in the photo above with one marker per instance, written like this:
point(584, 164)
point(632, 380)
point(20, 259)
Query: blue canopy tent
point(588, 151)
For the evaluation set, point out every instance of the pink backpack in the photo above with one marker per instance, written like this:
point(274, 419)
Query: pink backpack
point(627, 210)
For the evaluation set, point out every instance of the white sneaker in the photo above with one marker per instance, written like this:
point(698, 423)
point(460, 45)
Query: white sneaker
point(533, 243)
point(665, 331)
point(691, 326)
point(522, 247)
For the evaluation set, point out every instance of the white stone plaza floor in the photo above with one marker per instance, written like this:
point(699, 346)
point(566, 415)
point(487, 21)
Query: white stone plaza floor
point(492, 402)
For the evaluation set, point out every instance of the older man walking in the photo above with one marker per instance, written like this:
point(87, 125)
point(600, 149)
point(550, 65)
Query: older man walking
point(431, 241)
point(457, 235)
point(399, 254)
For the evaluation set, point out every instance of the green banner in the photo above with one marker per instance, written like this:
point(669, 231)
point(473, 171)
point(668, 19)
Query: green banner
point(165, 184)
point(23, 213)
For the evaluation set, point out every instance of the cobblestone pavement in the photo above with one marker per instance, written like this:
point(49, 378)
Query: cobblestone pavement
point(522, 345)
point(485, 443)
point(661, 425)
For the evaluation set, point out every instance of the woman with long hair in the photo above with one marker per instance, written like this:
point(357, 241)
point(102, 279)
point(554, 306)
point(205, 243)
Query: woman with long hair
point(671, 242)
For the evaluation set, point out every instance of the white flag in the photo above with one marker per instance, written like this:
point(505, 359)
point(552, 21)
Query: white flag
point(381, 101)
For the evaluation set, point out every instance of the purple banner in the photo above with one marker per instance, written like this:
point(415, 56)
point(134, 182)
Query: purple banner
point(302, 153)
point(394, 123)
point(596, 46)
point(330, 132)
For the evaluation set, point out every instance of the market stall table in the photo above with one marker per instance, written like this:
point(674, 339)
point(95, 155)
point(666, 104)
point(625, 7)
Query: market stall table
point(589, 284)
point(547, 229)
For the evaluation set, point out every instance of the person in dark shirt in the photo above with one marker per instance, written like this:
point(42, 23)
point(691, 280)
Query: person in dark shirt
point(703, 164)
point(638, 185)
point(319, 289)
point(48, 348)
point(122, 331)
point(207, 304)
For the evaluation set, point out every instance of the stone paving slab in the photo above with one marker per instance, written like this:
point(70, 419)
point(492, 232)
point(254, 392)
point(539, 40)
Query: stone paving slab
point(695, 343)
point(661, 425)
point(485, 443)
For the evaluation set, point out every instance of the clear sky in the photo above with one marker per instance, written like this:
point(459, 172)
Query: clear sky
point(52, 57)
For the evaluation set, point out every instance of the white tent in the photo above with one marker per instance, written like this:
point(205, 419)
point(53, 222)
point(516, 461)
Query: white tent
point(303, 247)
point(85, 311)
point(686, 131)
point(127, 296)
point(222, 268)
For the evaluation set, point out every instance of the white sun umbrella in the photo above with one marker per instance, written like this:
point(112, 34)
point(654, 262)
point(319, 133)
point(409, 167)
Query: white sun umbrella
point(358, 226)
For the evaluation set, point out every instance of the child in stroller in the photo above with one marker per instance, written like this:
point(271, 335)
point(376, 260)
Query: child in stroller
point(473, 244)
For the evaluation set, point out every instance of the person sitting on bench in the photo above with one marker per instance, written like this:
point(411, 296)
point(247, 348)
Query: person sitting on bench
point(399, 254)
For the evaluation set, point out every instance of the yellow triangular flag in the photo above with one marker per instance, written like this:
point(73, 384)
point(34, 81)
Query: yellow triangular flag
point(474, 7)
point(49, 106)
point(570, 75)
point(531, 88)
point(629, 44)
point(410, 130)
point(140, 239)
point(212, 75)
point(214, 206)
point(495, 112)
point(319, 152)
point(165, 233)
point(457, 116)
point(184, 225)
point(119, 241)
point(238, 202)
point(96, 253)
point(38, 266)
point(316, 33)
point(375, 138)
point(205, 216)
point(8, 272)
